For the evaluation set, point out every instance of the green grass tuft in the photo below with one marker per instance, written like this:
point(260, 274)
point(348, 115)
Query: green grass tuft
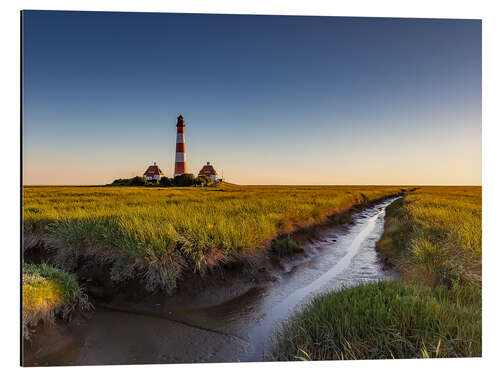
point(285, 247)
point(48, 291)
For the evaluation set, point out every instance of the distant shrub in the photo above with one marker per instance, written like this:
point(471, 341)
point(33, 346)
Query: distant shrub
point(135, 181)
point(186, 179)
point(120, 182)
point(165, 181)
point(202, 180)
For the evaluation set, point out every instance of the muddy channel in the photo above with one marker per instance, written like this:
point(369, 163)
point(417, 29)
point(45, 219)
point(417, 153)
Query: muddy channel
point(231, 325)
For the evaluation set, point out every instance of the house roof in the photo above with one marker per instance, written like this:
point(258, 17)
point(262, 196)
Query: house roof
point(153, 170)
point(207, 170)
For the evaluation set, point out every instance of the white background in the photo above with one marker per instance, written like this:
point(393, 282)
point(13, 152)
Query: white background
point(10, 172)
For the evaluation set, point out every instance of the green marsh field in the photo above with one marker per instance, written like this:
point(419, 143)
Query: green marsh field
point(166, 231)
point(433, 238)
point(157, 235)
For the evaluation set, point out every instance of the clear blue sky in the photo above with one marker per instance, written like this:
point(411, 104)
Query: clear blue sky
point(267, 99)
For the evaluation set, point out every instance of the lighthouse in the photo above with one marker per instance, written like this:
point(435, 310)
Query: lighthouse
point(180, 148)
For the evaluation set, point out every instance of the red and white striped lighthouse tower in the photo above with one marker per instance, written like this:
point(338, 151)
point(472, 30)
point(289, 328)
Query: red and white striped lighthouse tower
point(180, 149)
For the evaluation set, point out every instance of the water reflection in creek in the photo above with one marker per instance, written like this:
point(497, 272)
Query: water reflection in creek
point(238, 329)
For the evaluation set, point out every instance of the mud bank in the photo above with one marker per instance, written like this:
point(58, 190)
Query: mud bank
point(229, 314)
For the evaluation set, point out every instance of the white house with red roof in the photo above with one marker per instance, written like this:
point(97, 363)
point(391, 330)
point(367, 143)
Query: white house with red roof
point(153, 173)
point(208, 171)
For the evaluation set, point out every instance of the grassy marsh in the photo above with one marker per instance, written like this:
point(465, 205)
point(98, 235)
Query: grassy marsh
point(157, 233)
point(385, 320)
point(433, 237)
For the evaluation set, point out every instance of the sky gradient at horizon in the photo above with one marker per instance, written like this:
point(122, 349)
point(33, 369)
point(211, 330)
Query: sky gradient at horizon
point(266, 99)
